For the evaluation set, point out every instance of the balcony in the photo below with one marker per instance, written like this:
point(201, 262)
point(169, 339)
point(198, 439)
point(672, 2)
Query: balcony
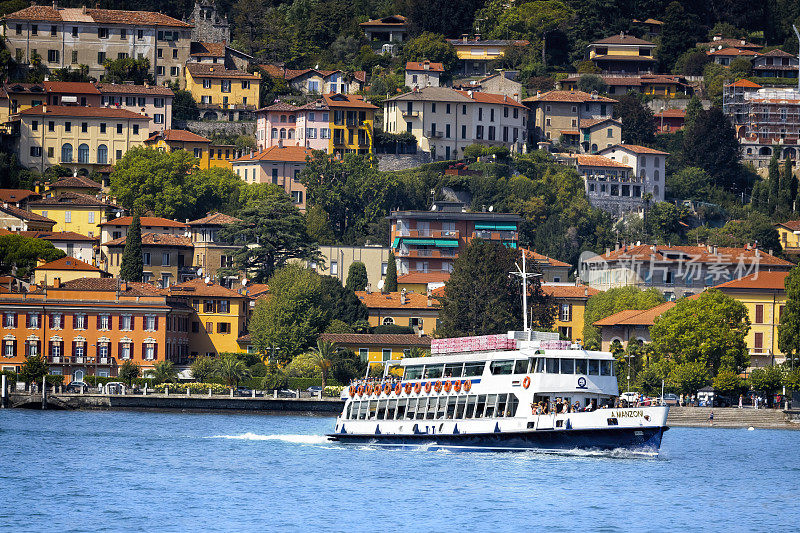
point(436, 134)
point(407, 113)
point(428, 253)
point(495, 235)
point(449, 234)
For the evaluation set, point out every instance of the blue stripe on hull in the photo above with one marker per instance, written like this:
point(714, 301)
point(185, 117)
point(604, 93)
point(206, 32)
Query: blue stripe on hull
point(642, 439)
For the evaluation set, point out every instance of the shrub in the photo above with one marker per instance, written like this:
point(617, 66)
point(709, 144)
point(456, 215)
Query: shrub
point(333, 391)
point(194, 388)
point(303, 366)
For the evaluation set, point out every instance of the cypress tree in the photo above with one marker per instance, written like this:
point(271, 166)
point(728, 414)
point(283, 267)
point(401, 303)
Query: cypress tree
point(785, 189)
point(755, 197)
point(132, 265)
point(390, 283)
point(774, 176)
point(356, 277)
point(693, 109)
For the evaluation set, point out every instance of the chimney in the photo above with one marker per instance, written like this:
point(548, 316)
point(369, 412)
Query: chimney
point(616, 246)
point(464, 37)
point(44, 108)
point(403, 297)
point(56, 283)
point(430, 299)
point(123, 287)
point(368, 288)
point(608, 250)
point(280, 143)
point(426, 65)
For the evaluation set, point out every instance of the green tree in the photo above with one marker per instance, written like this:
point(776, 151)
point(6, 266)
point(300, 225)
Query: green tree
point(203, 368)
point(318, 225)
point(184, 106)
point(165, 372)
point(81, 74)
point(638, 125)
point(768, 379)
point(347, 366)
point(727, 381)
point(132, 268)
point(481, 298)
point(390, 283)
point(613, 301)
point(213, 189)
point(774, 181)
point(271, 232)
point(792, 379)
point(356, 277)
point(740, 68)
point(231, 370)
point(19, 255)
point(592, 82)
point(709, 330)
point(276, 378)
point(785, 186)
point(690, 183)
point(691, 63)
point(710, 143)
point(693, 110)
point(439, 16)
point(341, 303)
point(33, 369)
point(688, 377)
point(322, 355)
point(434, 48)
point(679, 33)
point(127, 69)
point(789, 328)
point(128, 371)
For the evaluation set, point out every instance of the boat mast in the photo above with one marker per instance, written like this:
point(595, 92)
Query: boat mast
point(524, 274)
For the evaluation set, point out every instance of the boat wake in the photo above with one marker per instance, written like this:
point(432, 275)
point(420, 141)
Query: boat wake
point(293, 439)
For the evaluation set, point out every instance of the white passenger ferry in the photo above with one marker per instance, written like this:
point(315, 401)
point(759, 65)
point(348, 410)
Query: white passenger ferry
point(520, 391)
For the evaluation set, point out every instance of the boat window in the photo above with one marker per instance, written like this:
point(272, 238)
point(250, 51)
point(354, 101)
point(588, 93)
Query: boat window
point(501, 368)
point(431, 412)
point(552, 365)
point(441, 407)
point(413, 372)
point(373, 410)
point(391, 408)
point(521, 366)
point(540, 364)
point(462, 403)
point(605, 368)
point(470, 412)
point(480, 406)
point(580, 366)
point(594, 367)
point(453, 370)
point(568, 366)
point(612, 421)
point(381, 413)
point(420, 414)
point(433, 371)
point(513, 403)
point(501, 405)
point(491, 400)
point(349, 411)
point(401, 408)
point(451, 407)
point(473, 369)
point(362, 410)
point(412, 408)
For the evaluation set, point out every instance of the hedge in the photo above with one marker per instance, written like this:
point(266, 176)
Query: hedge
point(52, 379)
point(194, 388)
point(294, 383)
point(94, 380)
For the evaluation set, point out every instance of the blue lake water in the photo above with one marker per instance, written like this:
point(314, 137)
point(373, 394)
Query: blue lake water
point(138, 471)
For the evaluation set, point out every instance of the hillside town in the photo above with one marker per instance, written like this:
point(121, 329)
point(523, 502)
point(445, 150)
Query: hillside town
point(288, 199)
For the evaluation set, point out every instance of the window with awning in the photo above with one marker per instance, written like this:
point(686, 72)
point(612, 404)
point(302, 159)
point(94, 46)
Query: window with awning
point(498, 226)
point(441, 243)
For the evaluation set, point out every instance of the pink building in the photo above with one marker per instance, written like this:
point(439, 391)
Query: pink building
point(289, 125)
point(279, 165)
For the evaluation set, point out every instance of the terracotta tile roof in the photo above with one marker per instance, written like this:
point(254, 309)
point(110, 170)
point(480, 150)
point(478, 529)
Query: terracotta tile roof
point(111, 284)
point(12, 196)
point(570, 132)
point(624, 40)
point(68, 263)
point(148, 222)
point(773, 281)
point(156, 239)
point(82, 111)
point(15, 88)
point(280, 106)
point(487, 42)
point(255, 290)
point(733, 52)
point(699, 254)
point(671, 113)
point(130, 88)
point(22, 214)
point(791, 225)
point(198, 287)
point(204, 49)
point(209, 70)
point(778, 53)
point(434, 94)
point(214, 219)
point(424, 277)
point(71, 198)
point(631, 317)
point(392, 20)
point(101, 16)
point(543, 260)
point(296, 154)
point(377, 339)
point(177, 136)
point(568, 96)
point(569, 291)
point(420, 65)
point(729, 43)
point(58, 236)
point(490, 98)
point(589, 122)
point(76, 182)
point(391, 300)
point(648, 21)
point(591, 160)
point(347, 100)
point(274, 71)
point(316, 105)
point(635, 148)
point(745, 83)
point(73, 87)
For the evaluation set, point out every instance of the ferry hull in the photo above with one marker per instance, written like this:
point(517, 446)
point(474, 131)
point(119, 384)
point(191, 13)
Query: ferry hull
point(644, 439)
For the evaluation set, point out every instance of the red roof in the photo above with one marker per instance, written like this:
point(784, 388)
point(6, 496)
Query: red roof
point(671, 113)
point(424, 277)
point(22, 214)
point(81, 111)
point(745, 83)
point(698, 254)
point(347, 100)
point(177, 136)
point(75, 182)
point(391, 20)
point(490, 98)
point(12, 196)
point(568, 96)
point(733, 52)
point(773, 281)
point(129, 88)
point(543, 260)
point(218, 70)
point(68, 263)
point(420, 65)
point(198, 287)
point(214, 219)
point(58, 236)
point(791, 225)
point(145, 222)
point(392, 300)
point(74, 87)
point(591, 160)
point(635, 148)
point(100, 16)
point(624, 40)
point(295, 154)
point(203, 49)
point(156, 239)
point(569, 291)
point(632, 317)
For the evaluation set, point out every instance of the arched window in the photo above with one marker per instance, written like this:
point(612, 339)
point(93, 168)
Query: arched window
point(594, 148)
point(642, 174)
point(274, 133)
point(283, 118)
point(283, 133)
point(83, 153)
point(292, 118)
point(102, 154)
point(291, 134)
point(66, 153)
point(388, 321)
point(78, 375)
point(655, 175)
point(655, 191)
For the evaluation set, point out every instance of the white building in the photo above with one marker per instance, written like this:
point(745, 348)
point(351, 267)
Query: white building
point(421, 74)
point(648, 165)
point(446, 121)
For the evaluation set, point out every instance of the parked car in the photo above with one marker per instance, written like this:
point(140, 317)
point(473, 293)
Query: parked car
point(287, 394)
point(669, 399)
point(315, 390)
point(628, 398)
point(243, 391)
point(76, 386)
point(114, 387)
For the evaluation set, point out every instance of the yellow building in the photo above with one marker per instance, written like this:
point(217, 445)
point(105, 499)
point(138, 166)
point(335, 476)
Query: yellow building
point(22, 96)
point(78, 184)
point(351, 124)
point(789, 235)
point(623, 54)
point(764, 295)
point(208, 155)
point(409, 309)
point(219, 316)
point(474, 55)
point(378, 347)
point(214, 86)
point(80, 138)
point(79, 213)
point(570, 302)
point(66, 269)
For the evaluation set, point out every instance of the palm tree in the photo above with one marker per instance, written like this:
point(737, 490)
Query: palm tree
point(165, 371)
point(231, 370)
point(322, 356)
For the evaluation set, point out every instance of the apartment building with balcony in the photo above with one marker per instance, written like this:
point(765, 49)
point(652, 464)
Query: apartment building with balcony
point(211, 252)
point(622, 54)
point(610, 185)
point(647, 164)
point(68, 37)
point(573, 119)
point(167, 258)
point(152, 101)
point(90, 326)
point(307, 126)
point(222, 94)
point(445, 121)
point(430, 241)
point(279, 165)
point(351, 124)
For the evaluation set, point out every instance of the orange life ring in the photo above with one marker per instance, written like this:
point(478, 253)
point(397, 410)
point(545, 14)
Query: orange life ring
point(361, 390)
point(428, 387)
point(398, 388)
point(369, 389)
point(387, 388)
point(457, 385)
point(408, 388)
point(447, 385)
point(418, 387)
point(467, 385)
point(526, 382)
point(438, 386)
point(352, 391)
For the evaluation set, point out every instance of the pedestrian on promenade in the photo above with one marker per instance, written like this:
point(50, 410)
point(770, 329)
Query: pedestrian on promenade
point(741, 399)
point(711, 418)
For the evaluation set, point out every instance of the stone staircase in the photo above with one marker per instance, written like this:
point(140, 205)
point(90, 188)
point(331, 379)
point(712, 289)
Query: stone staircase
point(729, 417)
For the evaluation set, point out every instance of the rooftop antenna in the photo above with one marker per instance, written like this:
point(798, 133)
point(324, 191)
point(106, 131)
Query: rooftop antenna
point(524, 274)
point(797, 33)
